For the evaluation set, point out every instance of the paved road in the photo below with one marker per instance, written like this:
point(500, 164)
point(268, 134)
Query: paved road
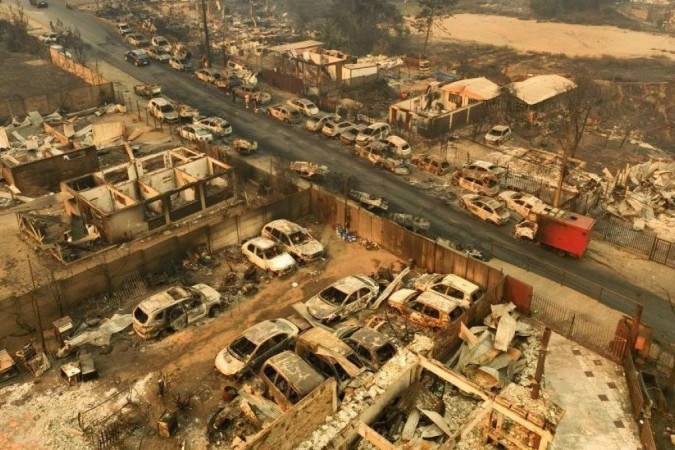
point(291, 142)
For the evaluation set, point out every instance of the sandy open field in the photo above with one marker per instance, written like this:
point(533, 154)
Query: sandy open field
point(548, 37)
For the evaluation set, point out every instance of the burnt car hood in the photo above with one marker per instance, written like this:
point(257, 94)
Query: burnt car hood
point(319, 309)
point(227, 364)
point(309, 249)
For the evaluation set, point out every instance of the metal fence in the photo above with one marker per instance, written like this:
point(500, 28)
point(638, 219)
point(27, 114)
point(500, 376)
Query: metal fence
point(645, 242)
point(599, 337)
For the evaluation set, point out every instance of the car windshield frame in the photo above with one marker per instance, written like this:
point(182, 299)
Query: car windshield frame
point(337, 298)
point(241, 348)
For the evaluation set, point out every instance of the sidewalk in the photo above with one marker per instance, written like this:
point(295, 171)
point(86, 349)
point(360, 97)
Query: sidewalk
point(583, 305)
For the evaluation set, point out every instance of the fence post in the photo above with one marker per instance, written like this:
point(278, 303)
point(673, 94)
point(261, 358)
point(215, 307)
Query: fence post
point(652, 251)
point(540, 363)
point(571, 328)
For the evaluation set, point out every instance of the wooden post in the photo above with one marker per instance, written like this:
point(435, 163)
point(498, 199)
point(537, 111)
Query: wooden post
point(540, 363)
point(36, 307)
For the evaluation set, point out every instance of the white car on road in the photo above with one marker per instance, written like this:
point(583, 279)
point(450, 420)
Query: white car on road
point(521, 203)
point(216, 125)
point(305, 106)
point(486, 208)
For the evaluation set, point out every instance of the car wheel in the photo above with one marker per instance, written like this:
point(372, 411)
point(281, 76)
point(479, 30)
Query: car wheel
point(215, 310)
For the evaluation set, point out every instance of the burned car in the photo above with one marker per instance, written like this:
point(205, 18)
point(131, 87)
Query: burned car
point(330, 356)
point(316, 123)
point(451, 286)
point(370, 201)
point(288, 379)
point(265, 254)
point(254, 346)
point(426, 308)
point(175, 308)
point(295, 239)
point(372, 347)
point(308, 169)
point(344, 297)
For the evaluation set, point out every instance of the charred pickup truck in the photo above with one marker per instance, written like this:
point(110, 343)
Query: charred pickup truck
point(175, 308)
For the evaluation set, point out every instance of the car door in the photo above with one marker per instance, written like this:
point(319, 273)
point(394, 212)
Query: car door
point(261, 354)
point(196, 309)
point(431, 317)
point(365, 297)
point(253, 256)
point(415, 311)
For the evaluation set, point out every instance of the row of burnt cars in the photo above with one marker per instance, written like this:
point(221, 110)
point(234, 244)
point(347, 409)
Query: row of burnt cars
point(339, 332)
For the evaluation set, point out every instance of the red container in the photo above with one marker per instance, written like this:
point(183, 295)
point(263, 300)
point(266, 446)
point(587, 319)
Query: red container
point(565, 231)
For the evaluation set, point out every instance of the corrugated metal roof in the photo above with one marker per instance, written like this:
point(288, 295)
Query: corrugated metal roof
point(475, 88)
point(541, 87)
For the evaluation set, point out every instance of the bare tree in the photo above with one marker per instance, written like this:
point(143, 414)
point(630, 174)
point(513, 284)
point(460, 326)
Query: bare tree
point(430, 11)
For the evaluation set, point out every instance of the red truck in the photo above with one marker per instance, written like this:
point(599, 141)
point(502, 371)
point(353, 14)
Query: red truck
point(562, 230)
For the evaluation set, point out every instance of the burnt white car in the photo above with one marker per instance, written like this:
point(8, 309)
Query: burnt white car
point(182, 65)
point(521, 202)
point(284, 113)
point(194, 133)
point(254, 346)
point(216, 125)
point(317, 122)
point(498, 135)
point(157, 54)
point(208, 75)
point(306, 107)
point(295, 239)
point(343, 298)
point(267, 255)
point(175, 308)
point(161, 43)
point(333, 129)
point(486, 208)
point(480, 168)
point(451, 286)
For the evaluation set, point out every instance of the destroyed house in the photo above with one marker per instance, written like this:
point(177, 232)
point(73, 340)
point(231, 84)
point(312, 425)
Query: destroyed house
point(539, 94)
point(155, 191)
point(443, 108)
point(34, 172)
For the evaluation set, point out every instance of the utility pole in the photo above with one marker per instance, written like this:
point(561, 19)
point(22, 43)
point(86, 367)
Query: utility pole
point(558, 190)
point(207, 44)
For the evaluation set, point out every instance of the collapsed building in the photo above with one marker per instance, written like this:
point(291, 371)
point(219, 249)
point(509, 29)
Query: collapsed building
point(444, 108)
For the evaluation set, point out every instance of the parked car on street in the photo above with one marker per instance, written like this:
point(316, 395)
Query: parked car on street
point(398, 146)
point(373, 348)
point(451, 286)
point(295, 239)
point(123, 28)
point(426, 308)
point(246, 353)
point(48, 38)
point(484, 186)
point(137, 57)
point(137, 40)
point(148, 90)
point(433, 164)
point(373, 132)
point(162, 109)
point(175, 308)
point(333, 129)
point(261, 97)
point(306, 107)
point(521, 203)
point(316, 123)
point(284, 113)
point(39, 3)
point(348, 136)
point(267, 255)
point(183, 65)
point(195, 133)
point(215, 125)
point(343, 298)
point(498, 135)
point(161, 43)
point(157, 54)
point(288, 379)
point(208, 75)
point(486, 208)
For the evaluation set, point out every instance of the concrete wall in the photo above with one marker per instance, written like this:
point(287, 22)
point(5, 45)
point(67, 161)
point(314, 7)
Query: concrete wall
point(46, 174)
point(150, 256)
point(292, 427)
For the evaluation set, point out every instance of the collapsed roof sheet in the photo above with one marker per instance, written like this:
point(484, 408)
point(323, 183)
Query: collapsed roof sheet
point(475, 88)
point(541, 87)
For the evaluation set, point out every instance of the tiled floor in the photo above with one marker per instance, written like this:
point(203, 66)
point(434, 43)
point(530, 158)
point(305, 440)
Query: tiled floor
point(593, 392)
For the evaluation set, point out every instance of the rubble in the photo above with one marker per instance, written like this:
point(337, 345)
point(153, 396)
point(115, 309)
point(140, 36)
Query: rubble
point(643, 194)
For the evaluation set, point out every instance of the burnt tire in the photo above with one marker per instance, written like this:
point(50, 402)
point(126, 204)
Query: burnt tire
point(215, 311)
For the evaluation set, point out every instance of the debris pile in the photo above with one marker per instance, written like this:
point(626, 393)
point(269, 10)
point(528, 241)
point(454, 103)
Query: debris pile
point(503, 350)
point(644, 194)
